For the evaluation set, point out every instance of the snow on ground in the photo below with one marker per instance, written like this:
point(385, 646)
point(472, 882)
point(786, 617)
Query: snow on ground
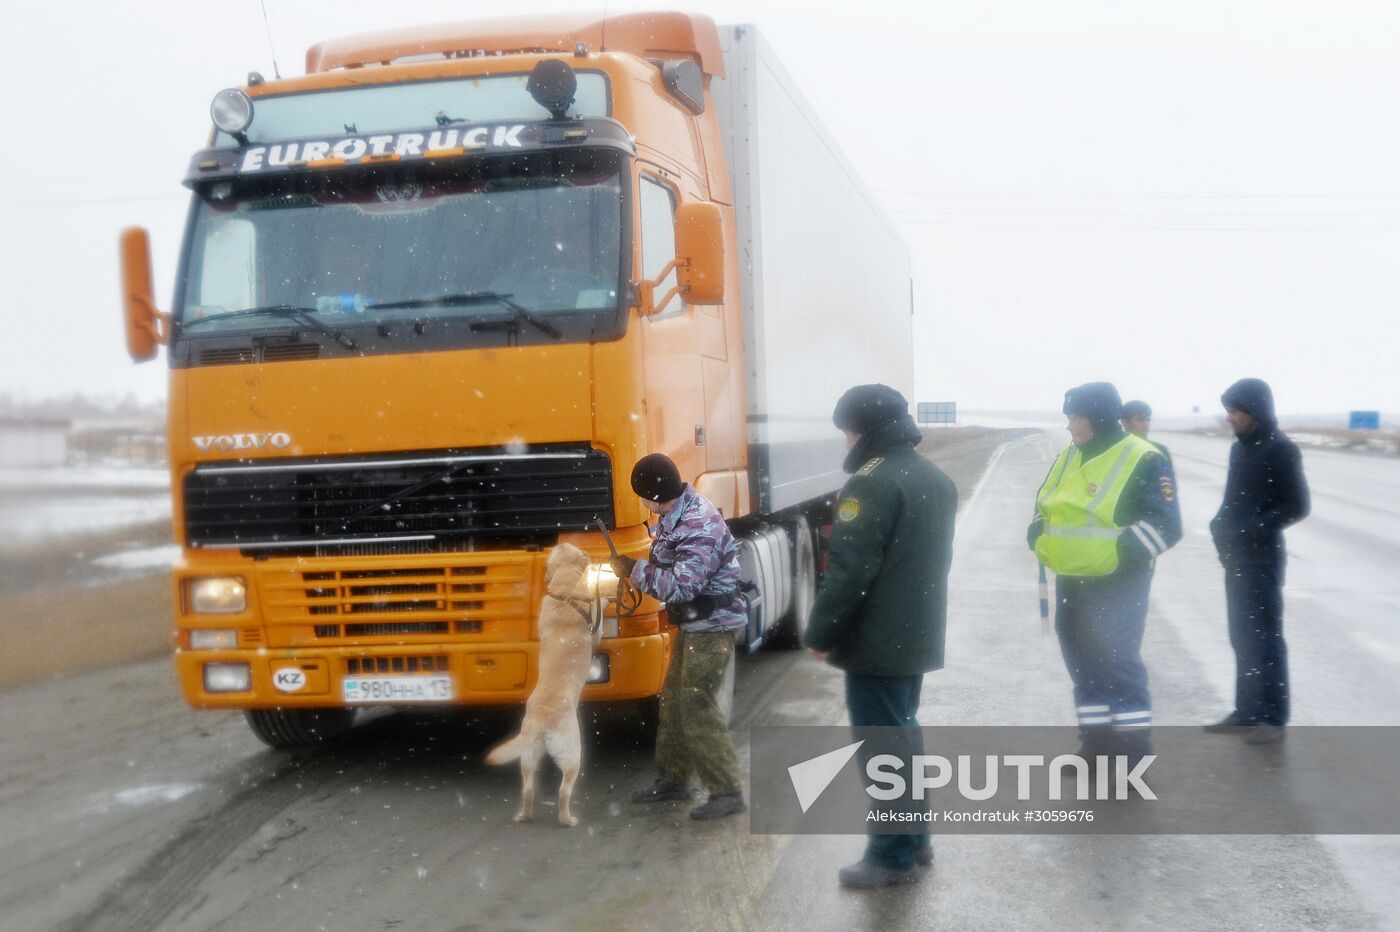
point(92, 477)
point(1318, 440)
point(1007, 421)
point(27, 521)
point(150, 558)
point(40, 505)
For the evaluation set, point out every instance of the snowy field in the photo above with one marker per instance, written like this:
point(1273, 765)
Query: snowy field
point(135, 478)
point(42, 506)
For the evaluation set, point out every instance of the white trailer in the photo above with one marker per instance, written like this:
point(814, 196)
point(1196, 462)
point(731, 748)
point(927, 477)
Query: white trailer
point(824, 274)
point(827, 304)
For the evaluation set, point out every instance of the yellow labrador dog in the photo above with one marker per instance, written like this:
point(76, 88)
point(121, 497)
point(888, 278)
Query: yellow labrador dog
point(551, 713)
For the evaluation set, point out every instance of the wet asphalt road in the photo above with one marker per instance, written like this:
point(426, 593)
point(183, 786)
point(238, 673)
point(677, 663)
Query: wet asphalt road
point(122, 809)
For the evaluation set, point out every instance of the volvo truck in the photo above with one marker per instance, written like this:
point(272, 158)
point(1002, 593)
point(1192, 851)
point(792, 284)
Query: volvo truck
point(438, 295)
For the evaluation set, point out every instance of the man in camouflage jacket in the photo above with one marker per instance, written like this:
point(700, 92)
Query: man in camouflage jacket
point(694, 568)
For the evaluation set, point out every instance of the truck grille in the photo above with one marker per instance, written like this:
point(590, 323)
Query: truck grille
point(436, 663)
point(397, 602)
point(273, 352)
point(427, 501)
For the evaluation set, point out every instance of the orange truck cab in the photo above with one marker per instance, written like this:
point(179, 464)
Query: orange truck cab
point(437, 296)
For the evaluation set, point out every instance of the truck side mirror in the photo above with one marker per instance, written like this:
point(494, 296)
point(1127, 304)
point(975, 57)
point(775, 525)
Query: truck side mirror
point(145, 324)
point(699, 262)
point(700, 243)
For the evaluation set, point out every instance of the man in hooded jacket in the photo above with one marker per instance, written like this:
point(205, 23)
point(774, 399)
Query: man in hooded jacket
point(1265, 492)
point(882, 607)
point(1105, 512)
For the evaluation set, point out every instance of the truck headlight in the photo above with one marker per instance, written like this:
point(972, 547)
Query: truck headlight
point(601, 578)
point(231, 110)
point(598, 669)
point(213, 639)
point(217, 595)
point(227, 678)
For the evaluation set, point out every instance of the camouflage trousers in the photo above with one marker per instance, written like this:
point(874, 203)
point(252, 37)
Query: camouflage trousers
point(693, 736)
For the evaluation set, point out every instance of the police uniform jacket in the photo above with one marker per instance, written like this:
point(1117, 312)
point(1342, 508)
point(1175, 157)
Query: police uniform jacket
point(1147, 510)
point(883, 605)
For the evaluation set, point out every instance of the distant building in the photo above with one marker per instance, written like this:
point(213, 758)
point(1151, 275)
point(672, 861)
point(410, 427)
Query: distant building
point(33, 441)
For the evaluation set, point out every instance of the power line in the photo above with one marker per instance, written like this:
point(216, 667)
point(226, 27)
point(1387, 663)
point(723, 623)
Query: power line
point(106, 176)
point(1132, 227)
point(1120, 196)
point(1147, 216)
point(84, 202)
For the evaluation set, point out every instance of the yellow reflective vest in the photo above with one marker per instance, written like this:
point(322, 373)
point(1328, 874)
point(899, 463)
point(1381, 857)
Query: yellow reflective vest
point(1078, 501)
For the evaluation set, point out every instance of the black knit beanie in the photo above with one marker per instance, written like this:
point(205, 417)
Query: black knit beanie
point(866, 407)
point(656, 477)
point(1097, 401)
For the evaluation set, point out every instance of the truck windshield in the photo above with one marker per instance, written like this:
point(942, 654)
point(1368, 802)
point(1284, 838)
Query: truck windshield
point(528, 238)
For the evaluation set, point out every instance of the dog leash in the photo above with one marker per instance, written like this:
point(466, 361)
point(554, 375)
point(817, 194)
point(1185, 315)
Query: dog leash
point(585, 613)
point(592, 615)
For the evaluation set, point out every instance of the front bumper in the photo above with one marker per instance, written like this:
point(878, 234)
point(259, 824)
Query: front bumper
point(481, 674)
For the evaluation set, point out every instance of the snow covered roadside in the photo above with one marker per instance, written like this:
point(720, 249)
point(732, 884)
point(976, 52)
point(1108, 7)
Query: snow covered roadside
point(150, 558)
point(40, 519)
point(41, 506)
point(135, 478)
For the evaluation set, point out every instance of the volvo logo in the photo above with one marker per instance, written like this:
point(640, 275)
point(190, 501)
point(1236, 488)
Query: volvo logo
point(228, 443)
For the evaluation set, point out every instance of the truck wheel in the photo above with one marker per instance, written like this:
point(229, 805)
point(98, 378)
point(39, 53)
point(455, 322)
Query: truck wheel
point(296, 728)
point(647, 715)
point(804, 587)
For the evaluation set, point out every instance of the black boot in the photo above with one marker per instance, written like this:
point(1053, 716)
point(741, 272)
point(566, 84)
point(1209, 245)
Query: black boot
point(863, 875)
point(662, 791)
point(1226, 725)
point(720, 806)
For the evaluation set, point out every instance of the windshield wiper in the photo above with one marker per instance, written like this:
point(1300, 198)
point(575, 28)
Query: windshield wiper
point(304, 315)
point(470, 298)
point(385, 503)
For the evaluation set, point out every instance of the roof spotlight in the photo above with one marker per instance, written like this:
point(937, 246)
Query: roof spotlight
point(552, 84)
point(232, 111)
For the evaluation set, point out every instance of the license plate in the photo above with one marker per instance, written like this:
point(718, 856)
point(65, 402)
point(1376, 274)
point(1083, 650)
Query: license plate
point(397, 688)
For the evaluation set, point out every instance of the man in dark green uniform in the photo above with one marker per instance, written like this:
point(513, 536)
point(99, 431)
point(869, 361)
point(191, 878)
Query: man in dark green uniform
point(882, 607)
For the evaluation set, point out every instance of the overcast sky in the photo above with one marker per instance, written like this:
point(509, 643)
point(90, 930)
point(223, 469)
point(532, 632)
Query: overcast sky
point(1167, 195)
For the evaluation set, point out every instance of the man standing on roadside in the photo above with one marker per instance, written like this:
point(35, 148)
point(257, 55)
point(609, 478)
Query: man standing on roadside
point(1265, 492)
point(1136, 418)
point(1105, 512)
point(881, 610)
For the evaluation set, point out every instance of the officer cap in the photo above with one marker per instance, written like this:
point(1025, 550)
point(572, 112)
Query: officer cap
point(865, 407)
point(1097, 401)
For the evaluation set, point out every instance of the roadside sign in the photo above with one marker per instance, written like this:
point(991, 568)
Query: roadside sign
point(1365, 420)
point(938, 412)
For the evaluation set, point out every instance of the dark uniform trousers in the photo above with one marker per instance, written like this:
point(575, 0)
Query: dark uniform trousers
point(1100, 622)
point(889, 700)
point(1254, 599)
point(693, 734)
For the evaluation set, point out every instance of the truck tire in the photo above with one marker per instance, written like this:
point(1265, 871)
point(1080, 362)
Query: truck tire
point(804, 587)
point(297, 728)
point(646, 714)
